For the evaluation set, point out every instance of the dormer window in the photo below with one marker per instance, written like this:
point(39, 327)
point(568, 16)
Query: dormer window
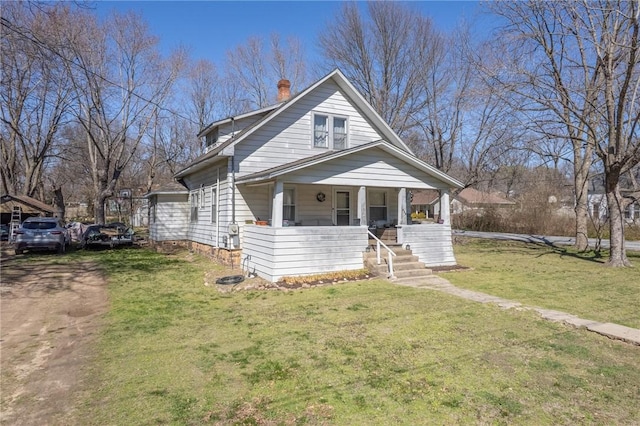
point(212, 137)
point(329, 132)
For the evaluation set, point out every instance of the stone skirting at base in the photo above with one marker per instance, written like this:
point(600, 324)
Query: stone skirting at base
point(168, 246)
point(221, 255)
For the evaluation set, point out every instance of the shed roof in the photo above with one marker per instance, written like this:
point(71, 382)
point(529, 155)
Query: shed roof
point(27, 204)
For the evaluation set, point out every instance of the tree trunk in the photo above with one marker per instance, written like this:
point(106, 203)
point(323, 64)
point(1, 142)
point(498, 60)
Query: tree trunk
point(99, 210)
point(58, 202)
point(582, 214)
point(615, 206)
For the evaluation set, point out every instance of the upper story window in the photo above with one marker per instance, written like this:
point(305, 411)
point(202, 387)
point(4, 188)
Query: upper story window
point(329, 132)
point(212, 137)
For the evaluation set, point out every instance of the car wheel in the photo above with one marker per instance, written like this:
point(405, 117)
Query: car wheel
point(61, 248)
point(19, 251)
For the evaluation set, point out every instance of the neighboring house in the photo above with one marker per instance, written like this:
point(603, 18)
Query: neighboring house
point(598, 209)
point(14, 209)
point(297, 188)
point(468, 199)
point(27, 207)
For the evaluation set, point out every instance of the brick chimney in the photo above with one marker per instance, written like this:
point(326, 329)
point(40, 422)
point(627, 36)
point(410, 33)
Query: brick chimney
point(284, 90)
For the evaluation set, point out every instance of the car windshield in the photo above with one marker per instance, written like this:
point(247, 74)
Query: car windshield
point(39, 225)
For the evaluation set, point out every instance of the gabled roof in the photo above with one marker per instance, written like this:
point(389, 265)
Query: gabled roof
point(31, 203)
point(424, 197)
point(393, 150)
point(167, 189)
point(238, 117)
point(472, 196)
point(349, 90)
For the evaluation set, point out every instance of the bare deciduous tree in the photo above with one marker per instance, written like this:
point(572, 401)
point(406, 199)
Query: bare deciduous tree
point(578, 66)
point(35, 96)
point(384, 56)
point(255, 69)
point(120, 81)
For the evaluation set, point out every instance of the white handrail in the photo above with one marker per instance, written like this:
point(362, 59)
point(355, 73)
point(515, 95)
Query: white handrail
point(390, 253)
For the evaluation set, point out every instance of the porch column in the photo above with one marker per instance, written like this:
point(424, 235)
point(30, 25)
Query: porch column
point(276, 210)
point(445, 208)
point(402, 206)
point(362, 206)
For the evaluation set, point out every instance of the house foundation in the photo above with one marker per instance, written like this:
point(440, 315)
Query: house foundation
point(229, 257)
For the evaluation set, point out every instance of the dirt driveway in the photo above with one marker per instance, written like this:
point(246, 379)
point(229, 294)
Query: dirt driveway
point(49, 315)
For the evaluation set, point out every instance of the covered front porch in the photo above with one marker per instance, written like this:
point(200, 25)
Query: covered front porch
point(317, 229)
point(320, 213)
point(277, 252)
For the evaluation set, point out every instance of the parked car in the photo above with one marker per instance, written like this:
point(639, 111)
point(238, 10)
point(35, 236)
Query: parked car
point(42, 233)
point(111, 235)
point(4, 232)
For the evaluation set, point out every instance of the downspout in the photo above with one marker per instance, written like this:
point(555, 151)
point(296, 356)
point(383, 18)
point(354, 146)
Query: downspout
point(217, 213)
point(233, 177)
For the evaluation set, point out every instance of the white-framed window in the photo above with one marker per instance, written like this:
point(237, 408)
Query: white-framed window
point(202, 192)
point(330, 131)
point(377, 205)
point(289, 205)
point(339, 133)
point(154, 211)
point(214, 204)
point(212, 137)
point(193, 195)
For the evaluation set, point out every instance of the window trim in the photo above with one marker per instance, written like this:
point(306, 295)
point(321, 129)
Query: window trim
point(214, 204)
point(370, 205)
point(193, 205)
point(330, 132)
point(294, 198)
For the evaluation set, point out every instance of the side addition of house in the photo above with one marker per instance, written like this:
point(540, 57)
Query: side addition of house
point(304, 187)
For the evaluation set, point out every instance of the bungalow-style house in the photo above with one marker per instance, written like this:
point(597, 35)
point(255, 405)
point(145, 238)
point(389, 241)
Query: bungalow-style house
point(300, 187)
point(468, 199)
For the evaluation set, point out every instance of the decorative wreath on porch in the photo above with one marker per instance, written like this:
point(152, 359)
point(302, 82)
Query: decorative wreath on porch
point(320, 196)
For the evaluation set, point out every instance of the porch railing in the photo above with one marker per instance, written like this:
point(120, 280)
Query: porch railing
point(390, 253)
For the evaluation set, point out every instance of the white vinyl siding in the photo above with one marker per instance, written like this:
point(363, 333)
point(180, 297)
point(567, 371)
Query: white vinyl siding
point(203, 230)
point(432, 243)
point(373, 168)
point(292, 251)
point(172, 214)
point(288, 136)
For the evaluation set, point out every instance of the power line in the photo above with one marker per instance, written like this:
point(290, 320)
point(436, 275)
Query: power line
point(5, 23)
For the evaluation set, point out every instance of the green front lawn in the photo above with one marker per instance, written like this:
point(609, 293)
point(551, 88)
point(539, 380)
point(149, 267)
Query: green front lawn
point(174, 351)
point(551, 277)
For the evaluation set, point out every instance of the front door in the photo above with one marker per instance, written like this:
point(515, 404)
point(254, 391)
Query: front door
point(343, 208)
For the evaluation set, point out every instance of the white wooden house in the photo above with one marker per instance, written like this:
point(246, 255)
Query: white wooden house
point(297, 188)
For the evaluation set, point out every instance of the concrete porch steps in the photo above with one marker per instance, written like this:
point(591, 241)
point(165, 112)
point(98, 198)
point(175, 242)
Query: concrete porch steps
point(405, 265)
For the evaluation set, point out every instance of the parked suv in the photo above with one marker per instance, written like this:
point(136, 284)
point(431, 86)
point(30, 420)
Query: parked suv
point(47, 233)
